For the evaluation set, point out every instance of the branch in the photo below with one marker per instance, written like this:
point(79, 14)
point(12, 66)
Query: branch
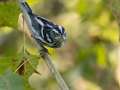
point(45, 55)
point(53, 70)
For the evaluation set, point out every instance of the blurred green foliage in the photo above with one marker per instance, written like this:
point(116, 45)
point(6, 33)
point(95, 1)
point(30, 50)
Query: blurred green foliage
point(87, 61)
point(9, 12)
point(11, 81)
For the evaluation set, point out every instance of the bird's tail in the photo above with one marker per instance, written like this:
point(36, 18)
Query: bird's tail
point(24, 6)
point(27, 13)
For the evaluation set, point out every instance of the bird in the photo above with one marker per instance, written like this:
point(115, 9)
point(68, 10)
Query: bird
point(44, 31)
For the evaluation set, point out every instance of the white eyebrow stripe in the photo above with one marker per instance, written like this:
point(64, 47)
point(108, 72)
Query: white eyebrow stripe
point(60, 27)
point(55, 30)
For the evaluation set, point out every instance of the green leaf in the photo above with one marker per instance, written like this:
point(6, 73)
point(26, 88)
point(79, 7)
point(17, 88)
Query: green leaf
point(11, 81)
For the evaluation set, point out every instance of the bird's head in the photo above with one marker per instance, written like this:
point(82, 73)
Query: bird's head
point(58, 36)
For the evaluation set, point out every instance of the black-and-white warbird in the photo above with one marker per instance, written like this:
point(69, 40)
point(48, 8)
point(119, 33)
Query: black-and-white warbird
point(44, 31)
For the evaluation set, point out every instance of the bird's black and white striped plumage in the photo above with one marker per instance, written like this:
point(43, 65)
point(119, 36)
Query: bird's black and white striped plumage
point(43, 30)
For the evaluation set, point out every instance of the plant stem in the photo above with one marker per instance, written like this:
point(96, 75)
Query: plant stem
point(54, 71)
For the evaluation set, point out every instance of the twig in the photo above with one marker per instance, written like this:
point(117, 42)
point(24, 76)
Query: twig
point(53, 70)
point(45, 55)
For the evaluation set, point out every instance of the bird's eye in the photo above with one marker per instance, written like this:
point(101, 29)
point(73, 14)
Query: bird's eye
point(54, 34)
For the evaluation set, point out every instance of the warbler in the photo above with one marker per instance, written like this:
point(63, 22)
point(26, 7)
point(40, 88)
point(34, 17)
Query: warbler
point(43, 30)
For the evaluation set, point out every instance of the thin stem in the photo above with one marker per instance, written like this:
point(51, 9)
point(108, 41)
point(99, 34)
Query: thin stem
point(55, 73)
point(23, 37)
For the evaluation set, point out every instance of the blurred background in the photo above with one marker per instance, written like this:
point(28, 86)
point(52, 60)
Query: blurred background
point(87, 61)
